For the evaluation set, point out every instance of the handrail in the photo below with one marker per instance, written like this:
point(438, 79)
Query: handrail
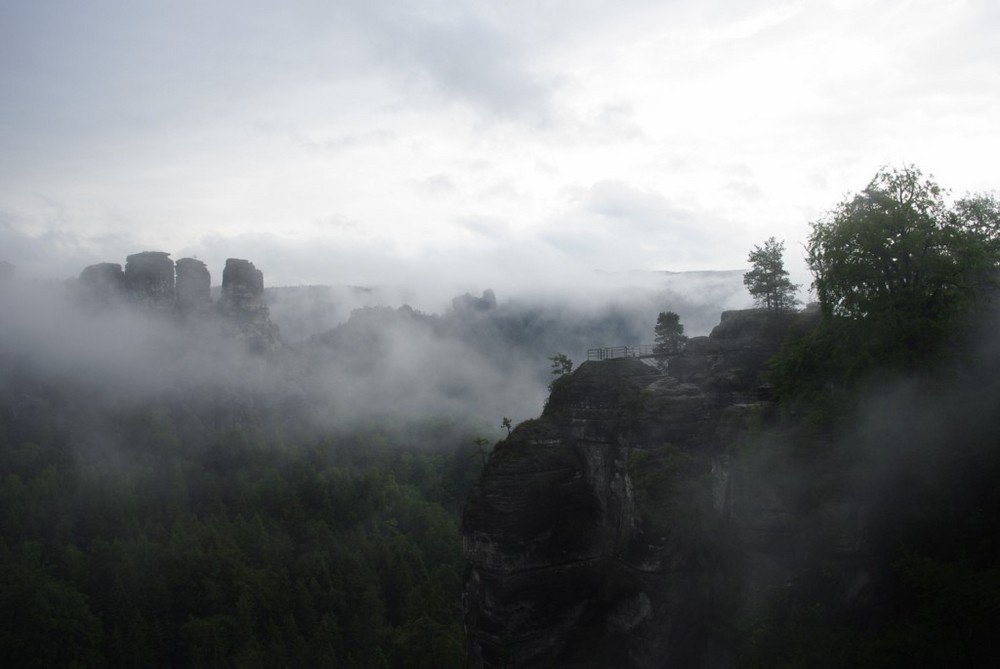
point(611, 352)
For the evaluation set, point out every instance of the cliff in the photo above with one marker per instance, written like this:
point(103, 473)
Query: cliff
point(604, 533)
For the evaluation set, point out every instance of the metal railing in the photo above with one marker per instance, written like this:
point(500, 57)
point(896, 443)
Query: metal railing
point(611, 352)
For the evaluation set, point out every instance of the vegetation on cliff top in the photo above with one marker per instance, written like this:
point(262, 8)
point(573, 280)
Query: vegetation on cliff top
point(878, 462)
point(900, 279)
point(883, 410)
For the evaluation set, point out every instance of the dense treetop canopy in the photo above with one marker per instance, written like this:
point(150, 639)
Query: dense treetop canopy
point(897, 258)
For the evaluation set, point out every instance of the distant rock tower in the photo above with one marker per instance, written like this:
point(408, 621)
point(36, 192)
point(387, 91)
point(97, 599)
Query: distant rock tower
point(243, 303)
point(469, 303)
point(149, 279)
point(183, 291)
point(103, 283)
point(194, 285)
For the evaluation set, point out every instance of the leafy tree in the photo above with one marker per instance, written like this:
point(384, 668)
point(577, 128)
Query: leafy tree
point(897, 273)
point(980, 215)
point(768, 280)
point(561, 364)
point(896, 260)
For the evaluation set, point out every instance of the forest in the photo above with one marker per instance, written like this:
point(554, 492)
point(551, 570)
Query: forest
point(246, 545)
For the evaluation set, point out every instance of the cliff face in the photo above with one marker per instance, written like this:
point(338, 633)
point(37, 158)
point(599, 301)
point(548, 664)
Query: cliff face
point(591, 537)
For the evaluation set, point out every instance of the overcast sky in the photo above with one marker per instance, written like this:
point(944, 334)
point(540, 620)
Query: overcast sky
point(479, 143)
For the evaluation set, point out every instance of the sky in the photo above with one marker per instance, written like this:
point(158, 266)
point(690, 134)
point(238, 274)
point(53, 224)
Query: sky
point(474, 144)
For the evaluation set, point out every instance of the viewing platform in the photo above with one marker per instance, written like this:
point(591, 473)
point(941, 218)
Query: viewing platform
point(612, 352)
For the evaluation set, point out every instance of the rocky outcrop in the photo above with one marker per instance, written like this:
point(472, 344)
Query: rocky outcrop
point(469, 303)
point(730, 362)
point(586, 534)
point(243, 304)
point(549, 524)
point(194, 285)
point(103, 282)
point(149, 279)
point(152, 281)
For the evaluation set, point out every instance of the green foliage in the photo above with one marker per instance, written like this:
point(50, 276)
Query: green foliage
point(821, 369)
point(668, 334)
point(979, 215)
point(894, 258)
point(902, 279)
point(561, 366)
point(182, 545)
point(45, 621)
point(898, 275)
point(768, 280)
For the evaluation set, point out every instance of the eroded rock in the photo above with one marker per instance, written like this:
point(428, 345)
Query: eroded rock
point(153, 282)
point(149, 279)
point(103, 282)
point(194, 285)
point(470, 303)
point(243, 304)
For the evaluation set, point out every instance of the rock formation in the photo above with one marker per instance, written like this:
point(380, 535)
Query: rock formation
point(103, 282)
point(194, 285)
point(149, 279)
point(467, 302)
point(152, 281)
point(243, 304)
point(586, 536)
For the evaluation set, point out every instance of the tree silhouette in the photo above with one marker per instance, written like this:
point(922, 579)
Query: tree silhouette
point(768, 280)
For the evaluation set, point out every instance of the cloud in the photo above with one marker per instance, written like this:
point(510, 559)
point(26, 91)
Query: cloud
point(651, 231)
point(347, 141)
point(462, 55)
point(360, 142)
point(53, 248)
point(438, 184)
point(490, 227)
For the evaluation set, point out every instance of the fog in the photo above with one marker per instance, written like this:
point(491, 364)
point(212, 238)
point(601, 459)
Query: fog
point(699, 297)
point(349, 357)
point(925, 442)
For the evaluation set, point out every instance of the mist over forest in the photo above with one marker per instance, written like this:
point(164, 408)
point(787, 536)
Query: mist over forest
point(251, 476)
point(355, 354)
point(499, 335)
point(138, 437)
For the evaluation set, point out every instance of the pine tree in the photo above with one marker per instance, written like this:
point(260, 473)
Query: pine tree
point(669, 334)
point(768, 280)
